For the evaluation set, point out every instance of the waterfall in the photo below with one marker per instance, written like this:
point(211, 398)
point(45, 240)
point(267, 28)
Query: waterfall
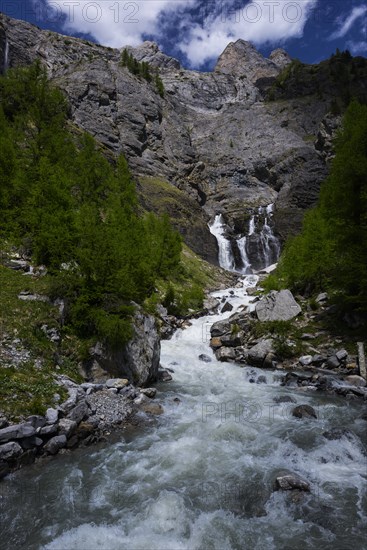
point(258, 249)
point(241, 245)
point(225, 256)
point(6, 56)
point(269, 243)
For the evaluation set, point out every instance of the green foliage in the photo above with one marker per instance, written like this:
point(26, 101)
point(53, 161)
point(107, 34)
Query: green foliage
point(331, 251)
point(76, 212)
point(142, 69)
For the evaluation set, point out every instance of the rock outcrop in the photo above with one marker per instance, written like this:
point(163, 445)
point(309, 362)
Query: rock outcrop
point(277, 306)
point(213, 135)
point(138, 361)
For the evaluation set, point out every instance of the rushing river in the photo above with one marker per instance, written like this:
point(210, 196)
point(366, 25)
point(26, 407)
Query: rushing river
point(201, 477)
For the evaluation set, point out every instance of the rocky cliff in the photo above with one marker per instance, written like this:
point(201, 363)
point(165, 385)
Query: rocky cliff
point(220, 138)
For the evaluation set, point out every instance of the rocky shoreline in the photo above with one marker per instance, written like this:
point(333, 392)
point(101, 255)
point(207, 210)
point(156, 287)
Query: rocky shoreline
point(90, 414)
point(257, 338)
point(95, 409)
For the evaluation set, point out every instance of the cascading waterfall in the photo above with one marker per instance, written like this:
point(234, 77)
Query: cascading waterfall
point(6, 56)
point(225, 256)
point(257, 250)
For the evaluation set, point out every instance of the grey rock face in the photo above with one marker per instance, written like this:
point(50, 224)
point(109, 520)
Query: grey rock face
point(277, 306)
point(138, 362)
point(212, 135)
point(257, 354)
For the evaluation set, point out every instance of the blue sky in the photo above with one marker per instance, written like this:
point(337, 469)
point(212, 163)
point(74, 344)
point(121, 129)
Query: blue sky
point(197, 31)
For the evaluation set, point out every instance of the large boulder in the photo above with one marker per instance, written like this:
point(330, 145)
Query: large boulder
point(138, 361)
point(257, 354)
point(277, 306)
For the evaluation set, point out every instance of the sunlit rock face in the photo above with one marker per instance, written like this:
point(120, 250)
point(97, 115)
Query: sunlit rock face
point(216, 136)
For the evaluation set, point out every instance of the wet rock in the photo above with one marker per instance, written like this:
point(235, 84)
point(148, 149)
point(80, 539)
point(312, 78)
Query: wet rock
point(227, 307)
point(215, 343)
point(10, 451)
point(304, 411)
point(85, 429)
point(261, 379)
point(290, 482)
point(164, 375)
point(225, 354)
point(205, 358)
point(149, 392)
point(257, 354)
point(118, 383)
point(27, 458)
point(52, 416)
point(16, 431)
point(219, 328)
point(55, 444)
point(277, 306)
point(270, 361)
point(67, 427)
point(152, 408)
point(210, 303)
point(355, 380)
point(284, 399)
point(338, 433)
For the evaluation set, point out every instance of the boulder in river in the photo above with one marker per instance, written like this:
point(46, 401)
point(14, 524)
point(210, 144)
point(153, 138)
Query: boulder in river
point(205, 358)
point(288, 481)
point(277, 306)
point(258, 353)
point(225, 354)
point(304, 411)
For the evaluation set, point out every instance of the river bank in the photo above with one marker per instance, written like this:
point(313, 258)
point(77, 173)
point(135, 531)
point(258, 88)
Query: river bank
point(204, 474)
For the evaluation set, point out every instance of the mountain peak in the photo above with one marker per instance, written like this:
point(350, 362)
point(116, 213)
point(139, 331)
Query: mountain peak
point(241, 58)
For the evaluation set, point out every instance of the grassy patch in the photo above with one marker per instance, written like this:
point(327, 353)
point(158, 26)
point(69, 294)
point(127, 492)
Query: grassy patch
point(28, 362)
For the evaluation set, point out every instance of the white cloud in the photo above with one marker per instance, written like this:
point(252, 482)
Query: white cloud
point(346, 24)
point(357, 48)
point(111, 22)
point(259, 21)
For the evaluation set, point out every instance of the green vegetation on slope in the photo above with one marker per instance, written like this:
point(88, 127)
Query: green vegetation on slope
point(63, 203)
point(337, 80)
point(141, 68)
point(331, 251)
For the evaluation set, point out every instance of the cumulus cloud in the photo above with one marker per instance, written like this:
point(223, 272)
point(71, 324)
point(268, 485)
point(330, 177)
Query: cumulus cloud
point(114, 23)
point(345, 24)
point(259, 21)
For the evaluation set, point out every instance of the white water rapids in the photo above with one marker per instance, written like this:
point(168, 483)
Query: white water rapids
point(201, 477)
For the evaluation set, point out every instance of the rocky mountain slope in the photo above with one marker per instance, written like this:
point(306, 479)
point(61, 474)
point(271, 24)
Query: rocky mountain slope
point(229, 140)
